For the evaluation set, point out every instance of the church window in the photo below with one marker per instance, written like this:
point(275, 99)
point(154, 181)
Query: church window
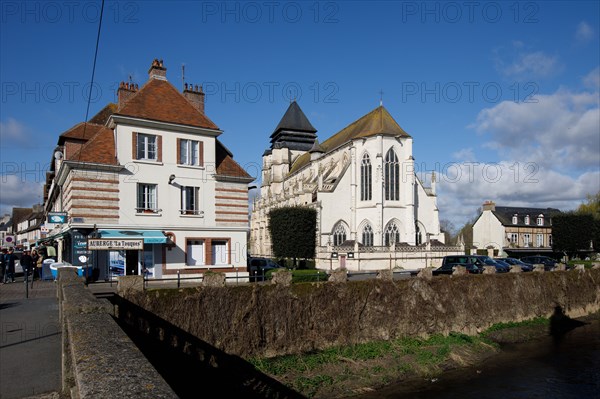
point(339, 234)
point(367, 236)
point(418, 235)
point(391, 234)
point(392, 176)
point(365, 179)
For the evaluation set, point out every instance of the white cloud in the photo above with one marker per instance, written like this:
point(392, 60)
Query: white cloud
point(550, 151)
point(13, 131)
point(560, 130)
point(584, 32)
point(592, 79)
point(18, 192)
point(509, 183)
point(536, 64)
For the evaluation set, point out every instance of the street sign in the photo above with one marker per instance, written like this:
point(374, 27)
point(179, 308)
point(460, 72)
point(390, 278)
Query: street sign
point(57, 217)
point(115, 244)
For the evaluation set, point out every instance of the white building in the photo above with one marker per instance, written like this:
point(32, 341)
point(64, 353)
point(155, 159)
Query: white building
point(150, 167)
point(513, 231)
point(373, 211)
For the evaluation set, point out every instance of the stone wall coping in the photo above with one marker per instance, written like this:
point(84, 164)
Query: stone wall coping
point(99, 359)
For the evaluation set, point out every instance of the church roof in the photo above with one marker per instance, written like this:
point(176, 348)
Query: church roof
point(294, 120)
point(379, 121)
point(158, 100)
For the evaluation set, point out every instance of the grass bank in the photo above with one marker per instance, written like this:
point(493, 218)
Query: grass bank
point(348, 371)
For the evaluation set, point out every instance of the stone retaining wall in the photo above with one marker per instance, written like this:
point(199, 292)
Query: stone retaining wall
point(271, 319)
point(99, 359)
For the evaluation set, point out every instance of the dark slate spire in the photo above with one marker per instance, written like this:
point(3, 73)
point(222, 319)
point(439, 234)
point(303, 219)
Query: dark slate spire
point(294, 131)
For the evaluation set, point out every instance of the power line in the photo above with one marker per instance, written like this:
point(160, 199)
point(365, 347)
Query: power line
point(87, 112)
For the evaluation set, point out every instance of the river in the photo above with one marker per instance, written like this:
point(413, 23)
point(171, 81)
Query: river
point(565, 367)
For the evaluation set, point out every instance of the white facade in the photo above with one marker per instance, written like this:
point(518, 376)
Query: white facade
point(365, 215)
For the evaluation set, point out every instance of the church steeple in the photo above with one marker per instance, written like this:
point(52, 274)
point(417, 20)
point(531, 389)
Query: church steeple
point(294, 131)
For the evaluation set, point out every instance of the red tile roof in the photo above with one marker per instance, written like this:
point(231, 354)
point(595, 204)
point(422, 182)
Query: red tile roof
point(226, 166)
point(98, 149)
point(158, 100)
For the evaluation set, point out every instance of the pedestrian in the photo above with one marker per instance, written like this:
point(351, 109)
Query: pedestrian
point(9, 260)
point(26, 264)
point(2, 263)
point(35, 257)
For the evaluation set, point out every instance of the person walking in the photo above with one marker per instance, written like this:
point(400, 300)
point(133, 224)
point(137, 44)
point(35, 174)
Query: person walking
point(26, 264)
point(2, 264)
point(35, 258)
point(9, 260)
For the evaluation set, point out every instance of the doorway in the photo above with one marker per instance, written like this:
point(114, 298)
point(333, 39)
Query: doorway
point(131, 262)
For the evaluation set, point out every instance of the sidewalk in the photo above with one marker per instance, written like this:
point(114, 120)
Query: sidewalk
point(30, 340)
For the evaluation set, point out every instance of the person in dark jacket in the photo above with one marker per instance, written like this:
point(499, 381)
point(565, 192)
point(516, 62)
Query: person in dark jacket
point(3, 264)
point(9, 261)
point(26, 264)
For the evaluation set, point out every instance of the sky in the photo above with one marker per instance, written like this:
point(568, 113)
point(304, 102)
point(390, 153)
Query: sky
point(501, 98)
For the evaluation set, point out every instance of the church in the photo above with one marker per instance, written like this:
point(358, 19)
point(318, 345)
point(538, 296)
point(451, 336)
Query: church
point(373, 212)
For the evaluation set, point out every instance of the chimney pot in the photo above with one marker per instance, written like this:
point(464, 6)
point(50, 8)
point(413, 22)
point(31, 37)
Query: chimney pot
point(157, 70)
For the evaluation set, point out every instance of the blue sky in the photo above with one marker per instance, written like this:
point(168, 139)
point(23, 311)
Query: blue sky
point(501, 98)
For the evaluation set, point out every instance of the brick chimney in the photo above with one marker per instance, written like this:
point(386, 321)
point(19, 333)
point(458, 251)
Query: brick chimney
point(489, 206)
point(157, 70)
point(125, 91)
point(195, 96)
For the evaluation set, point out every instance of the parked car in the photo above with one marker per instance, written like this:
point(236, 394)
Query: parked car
point(472, 264)
point(448, 268)
point(258, 267)
point(526, 267)
point(549, 263)
point(487, 261)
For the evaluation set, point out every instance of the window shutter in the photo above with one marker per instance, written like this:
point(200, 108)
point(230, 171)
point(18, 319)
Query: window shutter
point(159, 148)
point(178, 151)
point(134, 145)
point(201, 153)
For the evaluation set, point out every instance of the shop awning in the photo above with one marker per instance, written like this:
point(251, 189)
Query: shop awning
point(149, 236)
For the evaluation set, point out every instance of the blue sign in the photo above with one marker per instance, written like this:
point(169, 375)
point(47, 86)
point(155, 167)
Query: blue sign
point(57, 217)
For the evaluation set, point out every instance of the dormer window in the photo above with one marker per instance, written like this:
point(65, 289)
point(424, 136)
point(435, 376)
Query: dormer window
point(540, 220)
point(514, 219)
point(527, 220)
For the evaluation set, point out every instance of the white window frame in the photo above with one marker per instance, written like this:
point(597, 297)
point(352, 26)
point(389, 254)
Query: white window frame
point(527, 220)
point(189, 152)
point(515, 219)
point(147, 198)
point(144, 144)
point(526, 240)
point(540, 220)
point(222, 252)
point(539, 240)
point(186, 207)
point(514, 238)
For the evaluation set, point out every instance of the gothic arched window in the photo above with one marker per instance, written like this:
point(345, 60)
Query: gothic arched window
point(339, 234)
point(418, 235)
point(367, 236)
point(391, 235)
point(392, 176)
point(365, 179)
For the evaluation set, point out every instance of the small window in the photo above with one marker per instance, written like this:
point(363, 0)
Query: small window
point(146, 147)
point(146, 198)
point(190, 152)
point(189, 200)
point(539, 240)
point(540, 220)
point(527, 220)
point(515, 220)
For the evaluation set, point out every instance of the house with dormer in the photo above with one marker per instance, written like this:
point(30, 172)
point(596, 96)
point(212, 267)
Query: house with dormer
point(373, 211)
point(149, 168)
point(513, 231)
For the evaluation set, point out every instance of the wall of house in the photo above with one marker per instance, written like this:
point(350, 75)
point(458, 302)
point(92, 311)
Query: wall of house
point(92, 195)
point(488, 231)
